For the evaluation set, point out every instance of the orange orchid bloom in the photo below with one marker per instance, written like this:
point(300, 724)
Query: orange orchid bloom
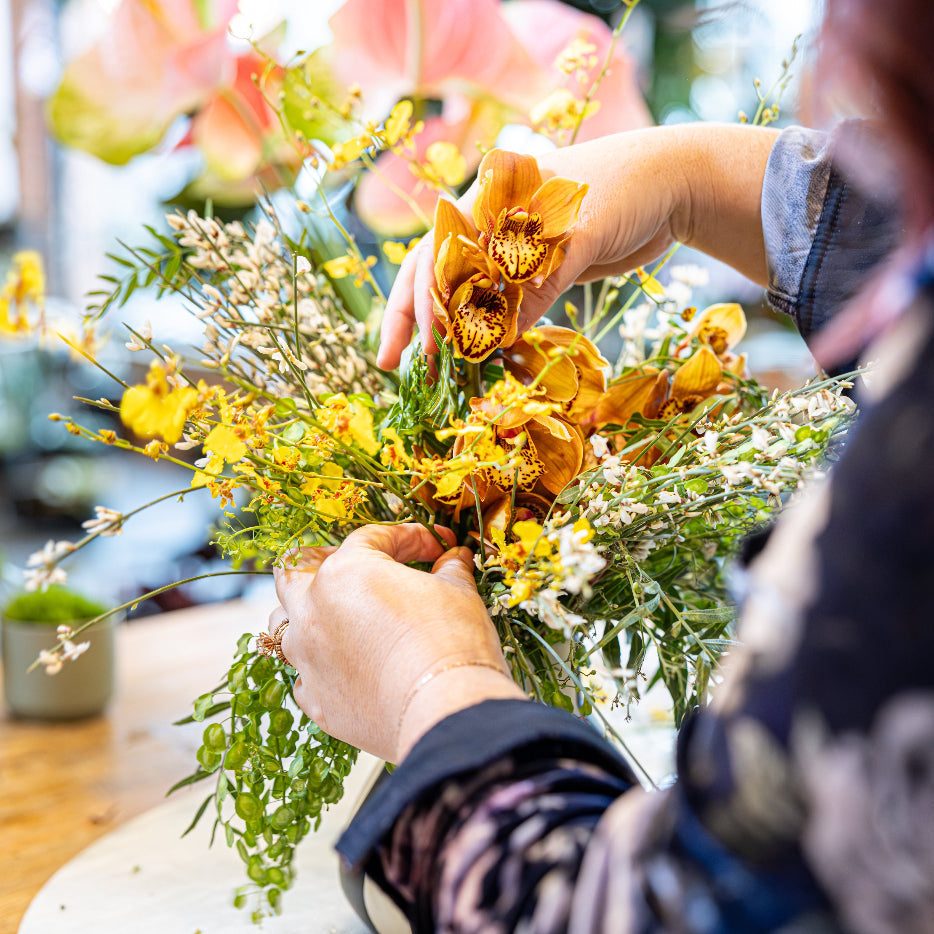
point(546, 459)
point(567, 366)
point(522, 219)
point(721, 327)
point(652, 393)
point(477, 312)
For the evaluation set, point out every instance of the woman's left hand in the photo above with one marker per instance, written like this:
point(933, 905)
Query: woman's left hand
point(365, 631)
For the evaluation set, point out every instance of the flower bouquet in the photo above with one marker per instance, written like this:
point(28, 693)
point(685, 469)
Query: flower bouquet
point(604, 493)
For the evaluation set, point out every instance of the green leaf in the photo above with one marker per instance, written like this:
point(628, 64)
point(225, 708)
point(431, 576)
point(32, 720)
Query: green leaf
point(198, 814)
point(198, 776)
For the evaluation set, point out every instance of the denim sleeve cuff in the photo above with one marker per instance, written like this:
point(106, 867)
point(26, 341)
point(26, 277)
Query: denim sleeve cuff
point(793, 191)
point(829, 218)
point(464, 743)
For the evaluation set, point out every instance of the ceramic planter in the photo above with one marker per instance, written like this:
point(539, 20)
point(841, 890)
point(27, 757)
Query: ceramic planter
point(82, 687)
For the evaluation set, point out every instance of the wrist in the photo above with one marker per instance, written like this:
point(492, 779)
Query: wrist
point(717, 202)
point(447, 691)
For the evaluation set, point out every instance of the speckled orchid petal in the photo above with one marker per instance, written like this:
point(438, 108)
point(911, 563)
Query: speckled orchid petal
point(523, 220)
point(507, 180)
point(524, 470)
point(516, 245)
point(721, 327)
point(482, 317)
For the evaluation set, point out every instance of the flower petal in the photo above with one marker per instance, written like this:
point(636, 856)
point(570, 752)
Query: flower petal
point(697, 378)
point(507, 180)
point(721, 326)
point(558, 202)
point(638, 392)
point(560, 447)
point(529, 358)
point(482, 318)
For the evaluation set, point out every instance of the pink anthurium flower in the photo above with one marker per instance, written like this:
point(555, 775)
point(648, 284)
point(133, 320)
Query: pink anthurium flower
point(159, 59)
point(489, 60)
point(429, 49)
point(546, 28)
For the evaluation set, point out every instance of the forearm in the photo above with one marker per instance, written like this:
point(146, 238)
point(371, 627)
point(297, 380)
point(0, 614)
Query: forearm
point(719, 211)
point(700, 184)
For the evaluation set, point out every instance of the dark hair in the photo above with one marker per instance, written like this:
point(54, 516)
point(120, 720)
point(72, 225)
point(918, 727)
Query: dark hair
point(884, 51)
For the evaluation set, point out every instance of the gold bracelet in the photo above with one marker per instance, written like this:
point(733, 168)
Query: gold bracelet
point(424, 679)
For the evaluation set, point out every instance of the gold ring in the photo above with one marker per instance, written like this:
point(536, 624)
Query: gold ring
point(270, 645)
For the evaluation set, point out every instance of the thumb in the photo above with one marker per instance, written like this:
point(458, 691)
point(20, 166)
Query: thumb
point(537, 301)
point(456, 567)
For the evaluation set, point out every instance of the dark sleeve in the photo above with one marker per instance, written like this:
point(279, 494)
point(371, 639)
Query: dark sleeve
point(504, 795)
point(511, 816)
point(826, 226)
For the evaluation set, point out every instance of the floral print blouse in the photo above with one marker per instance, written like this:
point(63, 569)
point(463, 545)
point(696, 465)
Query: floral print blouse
point(805, 794)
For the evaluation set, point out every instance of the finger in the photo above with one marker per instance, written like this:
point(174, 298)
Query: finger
point(537, 301)
point(303, 572)
point(276, 618)
point(456, 566)
point(399, 316)
point(423, 283)
point(402, 543)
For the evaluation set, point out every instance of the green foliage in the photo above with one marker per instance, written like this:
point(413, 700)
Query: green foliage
point(158, 265)
point(52, 607)
point(274, 772)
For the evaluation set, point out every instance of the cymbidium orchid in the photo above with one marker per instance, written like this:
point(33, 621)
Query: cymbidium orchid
point(545, 450)
point(477, 311)
point(657, 394)
point(566, 365)
point(522, 219)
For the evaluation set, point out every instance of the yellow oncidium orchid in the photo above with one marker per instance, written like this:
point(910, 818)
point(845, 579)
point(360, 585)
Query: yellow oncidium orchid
point(332, 496)
point(522, 219)
point(342, 266)
point(526, 542)
point(24, 285)
point(157, 410)
point(393, 453)
point(442, 166)
point(226, 442)
point(349, 421)
point(565, 364)
point(397, 123)
point(477, 312)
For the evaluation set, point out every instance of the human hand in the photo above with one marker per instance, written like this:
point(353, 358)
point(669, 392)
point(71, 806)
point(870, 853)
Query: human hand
point(697, 184)
point(366, 632)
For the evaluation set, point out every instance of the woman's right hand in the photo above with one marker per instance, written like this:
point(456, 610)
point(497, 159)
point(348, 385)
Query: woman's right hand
point(699, 184)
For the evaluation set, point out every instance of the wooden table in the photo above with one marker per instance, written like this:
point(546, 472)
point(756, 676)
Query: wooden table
point(63, 785)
